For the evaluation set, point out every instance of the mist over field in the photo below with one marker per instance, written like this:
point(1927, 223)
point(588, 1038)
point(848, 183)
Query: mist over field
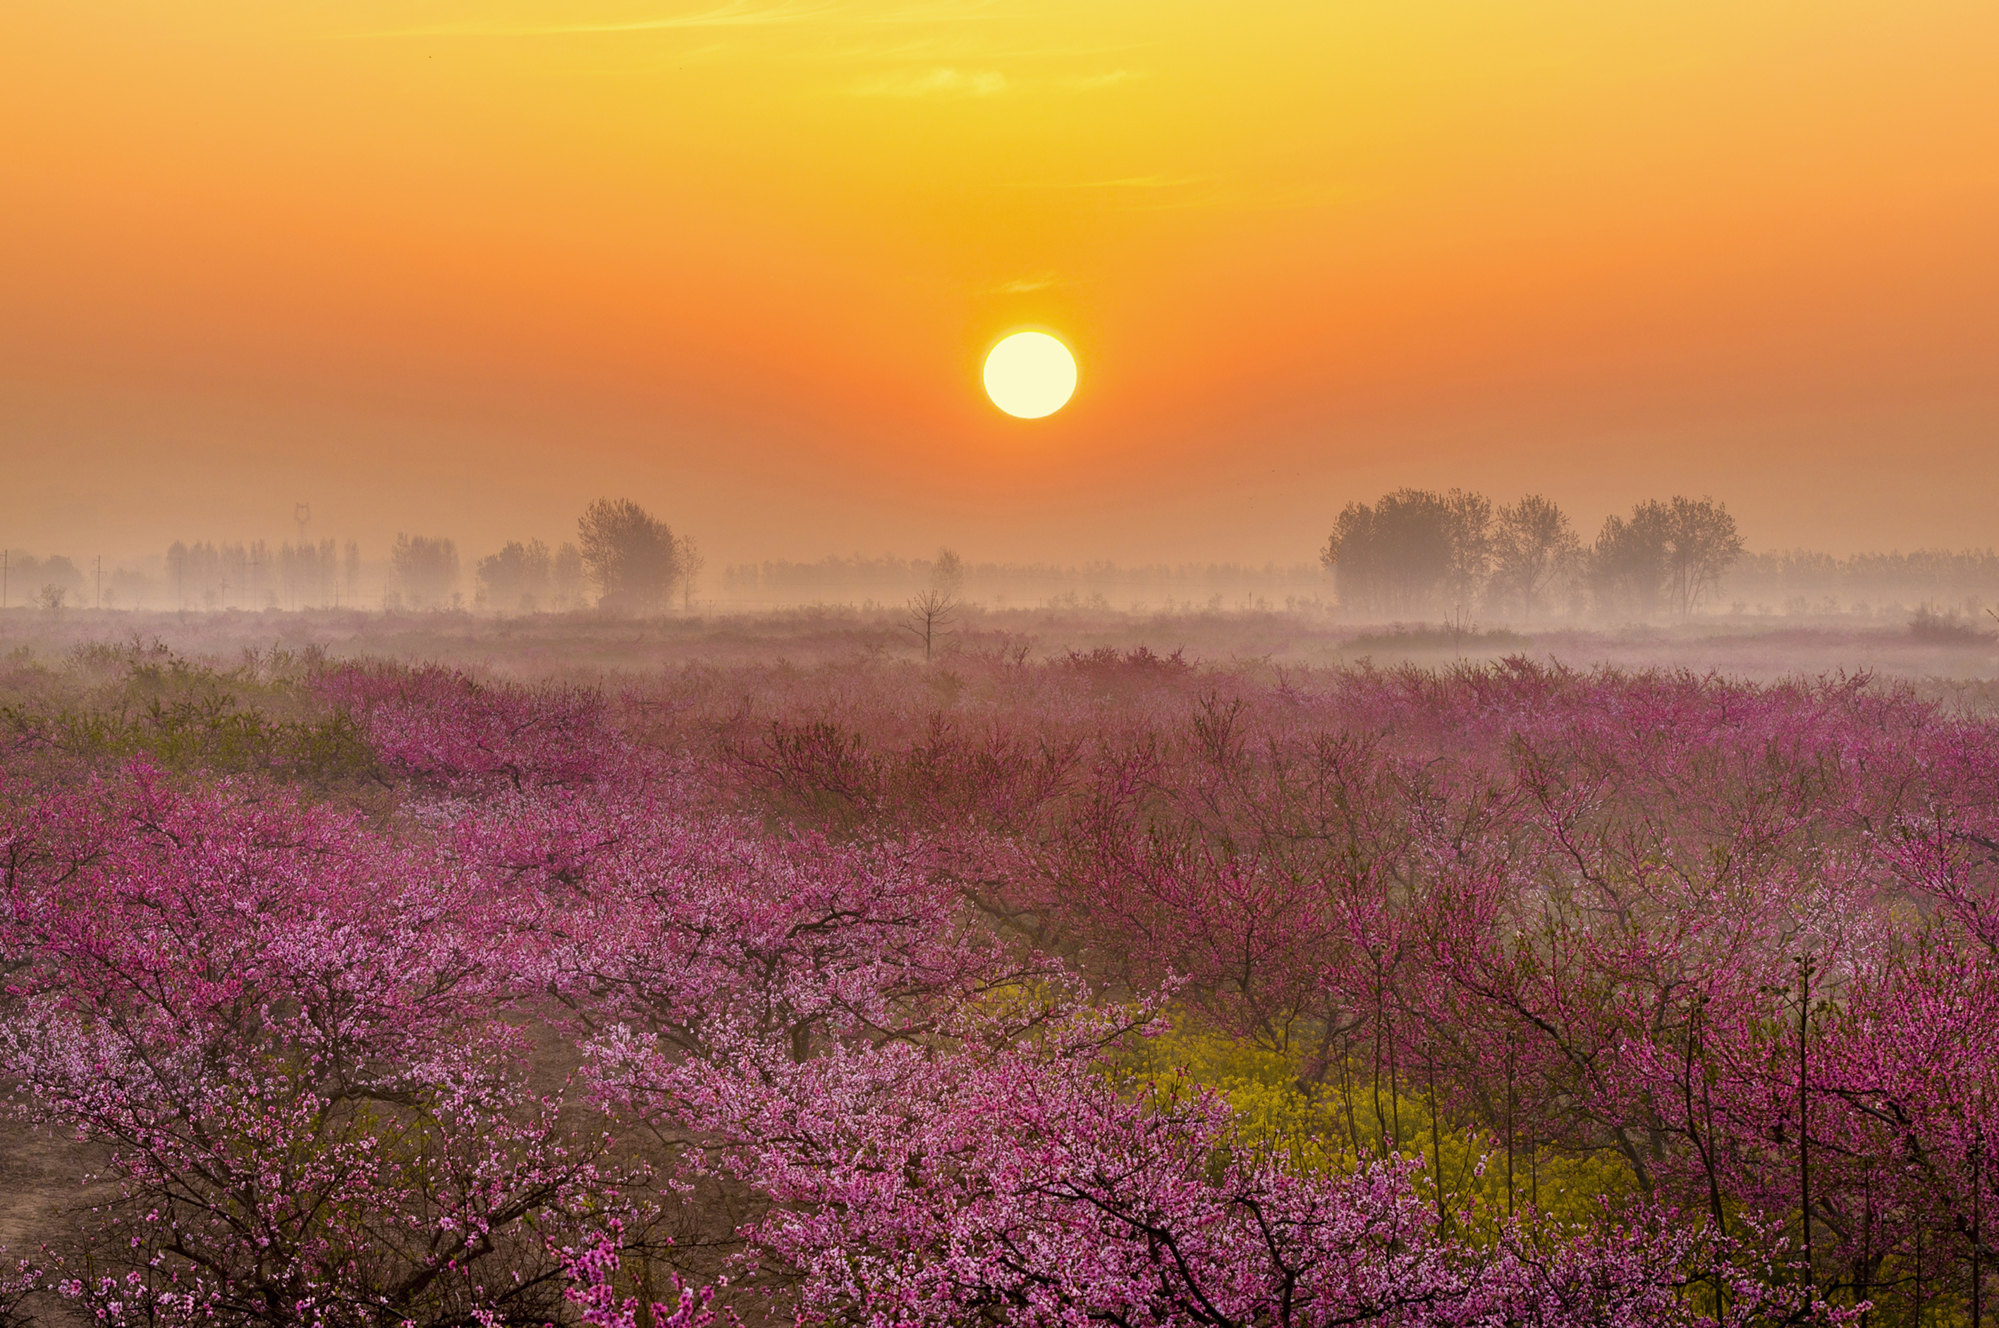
point(1413, 572)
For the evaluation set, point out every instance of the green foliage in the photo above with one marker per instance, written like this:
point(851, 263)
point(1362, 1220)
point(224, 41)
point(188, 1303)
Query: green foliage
point(105, 705)
point(1322, 1126)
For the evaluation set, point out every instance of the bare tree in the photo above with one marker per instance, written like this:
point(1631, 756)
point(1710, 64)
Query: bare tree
point(630, 554)
point(930, 616)
point(1533, 546)
point(931, 612)
point(691, 562)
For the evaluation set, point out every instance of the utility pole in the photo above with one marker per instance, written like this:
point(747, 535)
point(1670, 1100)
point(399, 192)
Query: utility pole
point(100, 580)
point(3, 578)
point(301, 513)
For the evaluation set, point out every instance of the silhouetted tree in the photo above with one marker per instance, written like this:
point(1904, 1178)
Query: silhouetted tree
point(54, 580)
point(691, 563)
point(629, 553)
point(328, 571)
point(350, 571)
point(947, 572)
point(426, 569)
point(1627, 564)
point(1702, 543)
point(1396, 557)
point(258, 569)
point(1533, 546)
point(177, 569)
point(931, 612)
point(307, 571)
point(1388, 559)
point(207, 573)
point(1670, 553)
point(566, 576)
point(1468, 526)
point(517, 577)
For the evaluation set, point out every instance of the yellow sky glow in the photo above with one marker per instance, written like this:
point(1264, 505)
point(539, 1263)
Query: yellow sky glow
point(457, 266)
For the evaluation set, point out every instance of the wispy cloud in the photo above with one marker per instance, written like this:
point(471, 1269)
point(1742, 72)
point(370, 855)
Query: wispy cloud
point(963, 44)
point(1139, 193)
point(940, 82)
point(930, 11)
point(1023, 285)
point(955, 81)
point(731, 14)
point(1139, 182)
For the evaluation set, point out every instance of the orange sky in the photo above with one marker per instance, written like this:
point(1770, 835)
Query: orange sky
point(433, 265)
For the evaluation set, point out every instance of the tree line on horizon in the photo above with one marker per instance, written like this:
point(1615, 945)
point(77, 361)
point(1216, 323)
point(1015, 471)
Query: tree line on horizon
point(307, 574)
point(631, 558)
point(1416, 553)
point(1410, 555)
point(55, 582)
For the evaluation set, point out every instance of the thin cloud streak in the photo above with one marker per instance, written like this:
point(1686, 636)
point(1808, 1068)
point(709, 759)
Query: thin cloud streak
point(735, 14)
point(1023, 285)
point(1108, 79)
point(945, 82)
point(954, 47)
point(1146, 182)
point(949, 80)
point(1124, 182)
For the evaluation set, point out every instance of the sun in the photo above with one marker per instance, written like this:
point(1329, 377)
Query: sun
point(1030, 374)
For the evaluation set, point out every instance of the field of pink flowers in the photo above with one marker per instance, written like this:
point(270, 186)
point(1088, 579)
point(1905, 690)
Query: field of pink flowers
point(1103, 988)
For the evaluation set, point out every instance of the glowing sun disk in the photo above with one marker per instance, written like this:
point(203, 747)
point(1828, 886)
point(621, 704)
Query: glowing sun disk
point(1030, 374)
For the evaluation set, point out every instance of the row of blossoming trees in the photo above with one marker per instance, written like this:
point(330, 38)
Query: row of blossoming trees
point(1105, 990)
